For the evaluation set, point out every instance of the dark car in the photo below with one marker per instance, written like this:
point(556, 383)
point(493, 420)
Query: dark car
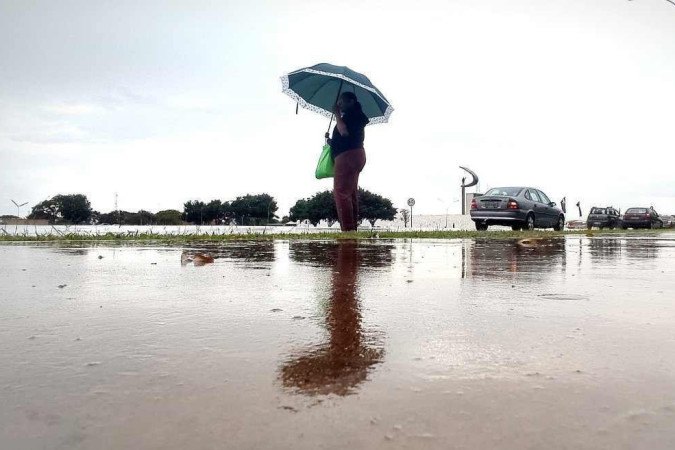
point(641, 218)
point(517, 207)
point(603, 218)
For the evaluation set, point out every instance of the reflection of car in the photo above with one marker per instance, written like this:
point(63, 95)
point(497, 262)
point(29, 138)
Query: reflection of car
point(603, 218)
point(531, 258)
point(517, 207)
point(641, 218)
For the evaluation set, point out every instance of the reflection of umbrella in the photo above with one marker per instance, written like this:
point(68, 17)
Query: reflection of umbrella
point(317, 88)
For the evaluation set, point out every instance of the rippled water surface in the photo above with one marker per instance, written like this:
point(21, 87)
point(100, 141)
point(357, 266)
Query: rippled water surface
point(553, 343)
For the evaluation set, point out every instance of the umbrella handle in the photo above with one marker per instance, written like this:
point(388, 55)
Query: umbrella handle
point(331, 117)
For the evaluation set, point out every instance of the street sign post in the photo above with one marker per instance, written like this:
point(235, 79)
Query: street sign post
point(411, 203)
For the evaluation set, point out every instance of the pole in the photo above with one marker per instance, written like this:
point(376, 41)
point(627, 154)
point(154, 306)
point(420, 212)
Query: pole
point(463, 196)
point(411, 215)
point(333, 115)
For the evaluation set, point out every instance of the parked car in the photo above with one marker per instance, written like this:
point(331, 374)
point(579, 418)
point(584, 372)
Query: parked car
point(668, 221)
point(603, 218)
point(641, 218)
point(518, 207)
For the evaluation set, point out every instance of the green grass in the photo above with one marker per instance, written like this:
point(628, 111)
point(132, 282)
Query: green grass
point(131, 237)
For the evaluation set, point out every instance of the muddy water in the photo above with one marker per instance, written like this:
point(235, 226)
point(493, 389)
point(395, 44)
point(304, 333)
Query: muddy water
point(382, 344)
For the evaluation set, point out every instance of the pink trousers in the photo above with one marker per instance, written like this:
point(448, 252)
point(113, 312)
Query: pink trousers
point(348, 166)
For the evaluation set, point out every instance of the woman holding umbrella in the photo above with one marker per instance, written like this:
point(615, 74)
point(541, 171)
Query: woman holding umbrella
point(349, 97)
point(349, 156)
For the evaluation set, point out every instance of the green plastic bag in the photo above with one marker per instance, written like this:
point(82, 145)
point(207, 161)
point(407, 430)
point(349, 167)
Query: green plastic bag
point(325, 168)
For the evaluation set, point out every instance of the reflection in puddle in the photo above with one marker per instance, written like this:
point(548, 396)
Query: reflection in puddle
point(491, 258)
point(573, 335)
point(254, 251)
point(343, 362)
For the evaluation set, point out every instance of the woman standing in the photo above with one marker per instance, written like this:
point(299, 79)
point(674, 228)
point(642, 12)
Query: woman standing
point(349, 156)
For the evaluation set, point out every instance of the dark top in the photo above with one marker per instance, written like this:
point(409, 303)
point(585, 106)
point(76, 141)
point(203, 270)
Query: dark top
point(355, 121)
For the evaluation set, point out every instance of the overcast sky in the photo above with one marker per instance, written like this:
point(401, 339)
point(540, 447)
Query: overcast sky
point(166, 101)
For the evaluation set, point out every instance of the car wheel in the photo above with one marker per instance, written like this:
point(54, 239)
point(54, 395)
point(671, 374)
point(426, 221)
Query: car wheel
point(481, 226)
point(561, 224)
point(530, 224)
point(624, 227)
point(517, 227)
point(590, 227)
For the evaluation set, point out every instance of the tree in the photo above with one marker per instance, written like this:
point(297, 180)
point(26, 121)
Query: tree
point(168, 217)
point(405, 215)
point(193, 211)
point(74, 209)
point(217, 212)
point(320, 206)
point(374, 207)
point(254, 209)
point(299, 211)
point(46, 210)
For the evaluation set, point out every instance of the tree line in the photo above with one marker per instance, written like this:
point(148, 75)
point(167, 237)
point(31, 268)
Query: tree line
point(245, 210)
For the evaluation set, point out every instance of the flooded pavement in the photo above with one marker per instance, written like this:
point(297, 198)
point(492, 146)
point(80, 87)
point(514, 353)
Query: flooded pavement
point(553, 343)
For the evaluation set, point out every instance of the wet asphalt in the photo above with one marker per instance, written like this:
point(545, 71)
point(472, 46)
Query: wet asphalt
point(549, 343)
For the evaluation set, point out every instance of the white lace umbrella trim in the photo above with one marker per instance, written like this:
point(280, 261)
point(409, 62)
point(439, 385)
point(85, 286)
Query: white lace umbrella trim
point(285, 88)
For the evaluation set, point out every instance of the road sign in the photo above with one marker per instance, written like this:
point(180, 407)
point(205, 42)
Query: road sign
point(411, 202)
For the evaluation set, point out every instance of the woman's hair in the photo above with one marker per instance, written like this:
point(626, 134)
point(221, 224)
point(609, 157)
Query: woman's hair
point(352, 96)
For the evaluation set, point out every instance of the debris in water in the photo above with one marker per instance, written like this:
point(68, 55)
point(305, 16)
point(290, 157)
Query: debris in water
point(100, 256)
point(289, 408)
point(61, 286)
point(93, 363)
point(276, 310)
point(298, 318)
point(198, 259)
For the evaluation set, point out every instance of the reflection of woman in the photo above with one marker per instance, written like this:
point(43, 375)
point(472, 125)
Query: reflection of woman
point(350, 158)
point(343, 362)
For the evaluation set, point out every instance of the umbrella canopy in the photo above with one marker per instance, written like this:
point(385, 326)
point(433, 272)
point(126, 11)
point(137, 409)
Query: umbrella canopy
point(317, 88)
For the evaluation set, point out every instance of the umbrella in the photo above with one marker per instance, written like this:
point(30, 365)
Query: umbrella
point(318, 87)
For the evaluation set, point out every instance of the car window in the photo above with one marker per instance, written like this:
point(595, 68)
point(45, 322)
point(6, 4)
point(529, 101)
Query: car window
point(527, 195)
point(534, 196)
point(506, 192)
point(636, 211)
point(543, 197)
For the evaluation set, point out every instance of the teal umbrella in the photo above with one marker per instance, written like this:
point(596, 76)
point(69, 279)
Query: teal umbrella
point(318, 87)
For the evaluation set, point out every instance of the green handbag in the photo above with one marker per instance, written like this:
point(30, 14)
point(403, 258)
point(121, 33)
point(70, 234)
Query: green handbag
point(325, 167)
